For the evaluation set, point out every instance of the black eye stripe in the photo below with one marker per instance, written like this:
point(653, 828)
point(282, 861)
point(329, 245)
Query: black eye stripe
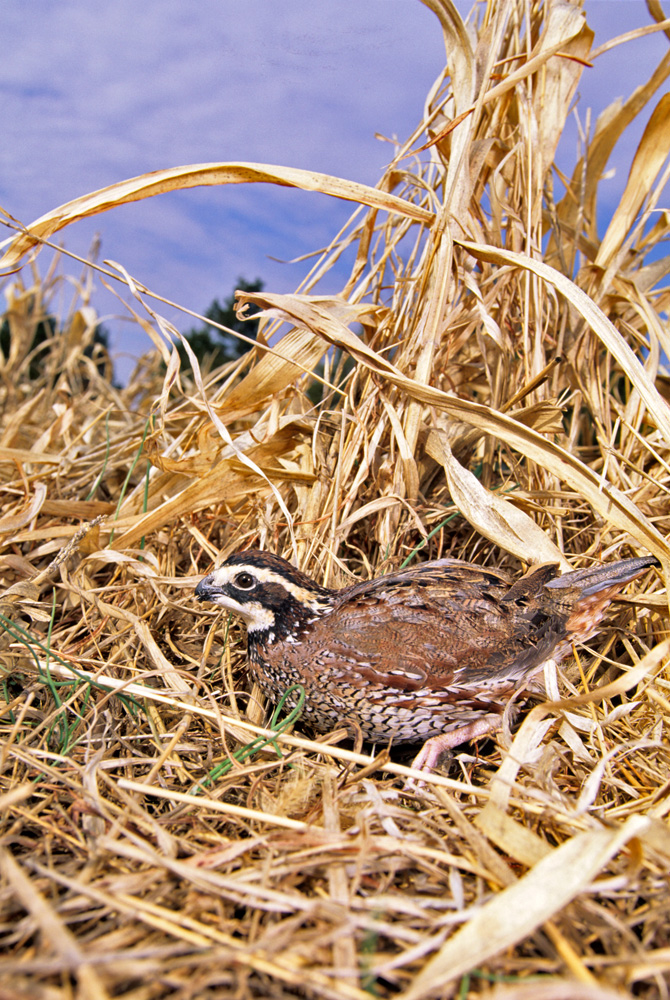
point(245, 581)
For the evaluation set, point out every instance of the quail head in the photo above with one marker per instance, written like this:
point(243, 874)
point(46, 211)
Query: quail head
point(429, 655)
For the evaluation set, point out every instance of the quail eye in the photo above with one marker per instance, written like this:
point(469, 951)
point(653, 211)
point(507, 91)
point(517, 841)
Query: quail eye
point(245, 581)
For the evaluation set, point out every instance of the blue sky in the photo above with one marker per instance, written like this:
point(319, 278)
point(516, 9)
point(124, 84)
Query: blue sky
point(92, 94)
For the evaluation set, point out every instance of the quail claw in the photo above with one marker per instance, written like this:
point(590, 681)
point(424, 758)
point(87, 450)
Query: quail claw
point(430, 753)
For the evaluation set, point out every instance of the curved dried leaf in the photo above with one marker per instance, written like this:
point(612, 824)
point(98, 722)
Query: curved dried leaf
point(649, 158)
point(12, 522)
point(566, 29)
point(494, 517)
point(610, 126)
point(274, 372)
point(197, 175)
point(510, 916)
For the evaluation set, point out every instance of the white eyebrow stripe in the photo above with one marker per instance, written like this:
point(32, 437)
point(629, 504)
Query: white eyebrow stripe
point(303, 595)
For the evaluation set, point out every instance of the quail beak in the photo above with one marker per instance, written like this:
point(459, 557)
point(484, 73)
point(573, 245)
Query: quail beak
point(253, 613)
point(209, 590)
point(206, 590)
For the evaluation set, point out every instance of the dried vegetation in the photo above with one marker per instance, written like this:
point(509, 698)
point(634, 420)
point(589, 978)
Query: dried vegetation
point(489, 384)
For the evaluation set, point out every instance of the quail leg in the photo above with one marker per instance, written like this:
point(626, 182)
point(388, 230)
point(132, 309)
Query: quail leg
point(428, 756)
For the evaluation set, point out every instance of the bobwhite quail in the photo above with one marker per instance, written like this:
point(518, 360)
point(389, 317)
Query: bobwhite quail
point(426, 655)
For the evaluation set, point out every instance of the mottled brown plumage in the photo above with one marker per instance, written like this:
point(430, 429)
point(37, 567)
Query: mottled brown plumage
point(432, 653)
